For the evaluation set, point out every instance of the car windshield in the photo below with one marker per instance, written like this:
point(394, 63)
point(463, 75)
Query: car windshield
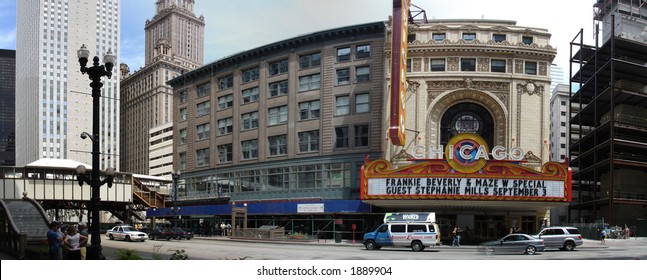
point(128, 228)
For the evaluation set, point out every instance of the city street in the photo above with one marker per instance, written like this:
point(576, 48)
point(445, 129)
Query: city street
point(225, 249)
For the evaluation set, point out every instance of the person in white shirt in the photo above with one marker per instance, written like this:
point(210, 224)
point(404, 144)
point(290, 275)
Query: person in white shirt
point(73, 242)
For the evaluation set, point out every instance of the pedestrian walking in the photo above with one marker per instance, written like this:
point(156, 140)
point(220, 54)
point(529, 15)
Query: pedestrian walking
point(456, 240)
point(603, 235)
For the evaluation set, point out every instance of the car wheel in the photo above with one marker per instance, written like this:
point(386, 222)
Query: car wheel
point(152, 237)
point(111, 237)
point(569, 246)
point(370, 245)
point(127, 238)
point(142, 240)
point(188, 238)
point(416, 246)
point(531, 250)
point(489, 251)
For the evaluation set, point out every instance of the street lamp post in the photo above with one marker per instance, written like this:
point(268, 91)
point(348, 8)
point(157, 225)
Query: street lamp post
point(175, 209)
point(95, 73)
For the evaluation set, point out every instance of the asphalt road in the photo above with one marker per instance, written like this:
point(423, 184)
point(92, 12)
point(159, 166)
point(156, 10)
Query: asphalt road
point(226, 249)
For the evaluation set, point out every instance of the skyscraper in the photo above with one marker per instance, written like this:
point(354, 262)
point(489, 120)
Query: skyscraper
point(174, 45)
point(7, 112)
point(53, 98)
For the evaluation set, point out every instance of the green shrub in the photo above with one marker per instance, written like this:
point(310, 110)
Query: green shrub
point(179, 255)
point(128, 254)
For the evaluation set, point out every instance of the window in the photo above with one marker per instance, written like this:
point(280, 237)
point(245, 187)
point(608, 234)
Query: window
point(225, 153)
point(563, 134)
point(203, 108)
point(469, 36)
point(409, 62)
point(225, 126)
point(183, 96)
point(563, 113)
point(343, 76)
point(250, 75)
point(416, 228)
point(497, 65)
point(204, 90)
point(398, 228)
point(363, 51)
point(341, 137)
point(361, 103)
point(183, 113)
point(362, 74)
point(250, 120)
point(309, 82)
point(361, 135)
point(203, 131)
point(202, 157)
point(278, 67)
point(411, 37)
point(249, 149)
point(563, 123)
point(526, 40)
point(530, 68)
point(226, 101)
point(309, 141)
point(278, 115)
point(250, 95)
point(309, 110)
point(226, 82)
point(183, 136)
point(278, 145)
point(498, 38)
point(437, 64)
point(468, 64)
point(310, 60)
point(342, 105)
point(563, 146)
point(182, 160)
point(438, 36)
point(563, 103)
point(343, 54)
point(278, 88)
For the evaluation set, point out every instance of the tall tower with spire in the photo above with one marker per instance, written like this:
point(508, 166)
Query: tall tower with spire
point(174, 45)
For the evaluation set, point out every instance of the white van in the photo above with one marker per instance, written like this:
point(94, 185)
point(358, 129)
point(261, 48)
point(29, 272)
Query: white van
point(415, 230)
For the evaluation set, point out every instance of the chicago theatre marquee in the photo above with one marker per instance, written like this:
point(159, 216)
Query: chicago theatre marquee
point(467, 136)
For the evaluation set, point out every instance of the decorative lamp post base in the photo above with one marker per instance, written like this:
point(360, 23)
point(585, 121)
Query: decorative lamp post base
point(94, 253)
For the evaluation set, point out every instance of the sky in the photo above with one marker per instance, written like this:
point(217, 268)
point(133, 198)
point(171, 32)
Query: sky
point(233, 26)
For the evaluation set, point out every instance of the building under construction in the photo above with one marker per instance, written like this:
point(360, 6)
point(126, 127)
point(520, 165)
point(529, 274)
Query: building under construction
point(608, 143)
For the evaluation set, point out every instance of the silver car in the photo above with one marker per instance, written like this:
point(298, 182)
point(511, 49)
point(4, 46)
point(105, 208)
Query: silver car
point(564, 238)
point(516, 242)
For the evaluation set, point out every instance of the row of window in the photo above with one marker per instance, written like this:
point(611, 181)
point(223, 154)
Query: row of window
point(470, 64)
point(308, 176)
point(277, 145)
point(277, 115)
point(280, 88)
point(471, 36)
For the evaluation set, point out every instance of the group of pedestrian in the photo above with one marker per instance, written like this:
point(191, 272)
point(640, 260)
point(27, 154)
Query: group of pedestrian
point(74, 240)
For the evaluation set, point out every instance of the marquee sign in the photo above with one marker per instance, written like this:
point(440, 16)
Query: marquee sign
point(467, 171)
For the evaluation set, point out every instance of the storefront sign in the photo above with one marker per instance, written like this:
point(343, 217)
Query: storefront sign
point(310, 208)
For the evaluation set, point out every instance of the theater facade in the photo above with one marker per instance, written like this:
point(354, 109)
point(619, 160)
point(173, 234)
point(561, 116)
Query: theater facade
point(298, 131)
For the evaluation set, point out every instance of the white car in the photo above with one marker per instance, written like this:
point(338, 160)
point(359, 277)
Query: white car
point(128, 233)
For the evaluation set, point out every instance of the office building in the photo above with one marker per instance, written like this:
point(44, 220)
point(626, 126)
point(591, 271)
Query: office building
point(174, 45)
point(7, 109)
point(54, 99)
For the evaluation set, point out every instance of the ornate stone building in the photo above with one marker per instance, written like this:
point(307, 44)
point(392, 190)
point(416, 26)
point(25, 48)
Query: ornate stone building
point(489, 77)
point(174, 45)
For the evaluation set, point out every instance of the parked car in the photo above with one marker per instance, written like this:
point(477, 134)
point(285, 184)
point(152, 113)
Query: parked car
point(564, 238)
point(516, 242)
point(128, 233)
point(171, 233)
